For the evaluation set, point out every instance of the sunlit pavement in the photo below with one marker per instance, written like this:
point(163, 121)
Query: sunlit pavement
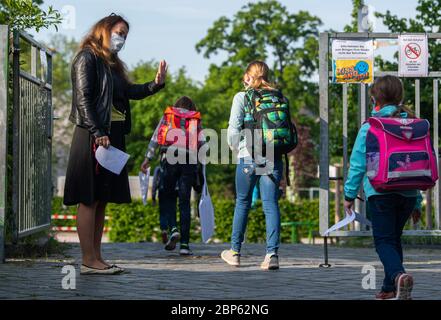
point(153, 273)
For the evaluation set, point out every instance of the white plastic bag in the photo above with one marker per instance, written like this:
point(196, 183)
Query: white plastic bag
point(144, 184)
point(206, 212)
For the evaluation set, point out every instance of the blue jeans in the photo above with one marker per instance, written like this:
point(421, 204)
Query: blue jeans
point(176, 183)
point(246, 179)
point(389, 216)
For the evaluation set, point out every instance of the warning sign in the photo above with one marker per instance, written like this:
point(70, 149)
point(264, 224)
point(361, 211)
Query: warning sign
point(352, 61)
point(413, 56)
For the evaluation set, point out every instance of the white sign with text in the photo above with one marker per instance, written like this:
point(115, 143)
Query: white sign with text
point(413, 55)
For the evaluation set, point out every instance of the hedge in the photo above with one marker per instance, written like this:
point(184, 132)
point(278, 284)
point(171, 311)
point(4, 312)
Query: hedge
point(135, 222)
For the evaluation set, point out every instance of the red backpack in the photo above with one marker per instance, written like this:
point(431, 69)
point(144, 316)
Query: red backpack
point(180, 128)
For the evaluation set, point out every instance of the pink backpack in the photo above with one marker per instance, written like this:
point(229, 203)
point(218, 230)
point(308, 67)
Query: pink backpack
point(400, 155)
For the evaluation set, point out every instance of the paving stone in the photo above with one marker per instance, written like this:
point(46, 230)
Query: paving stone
point(153, 273)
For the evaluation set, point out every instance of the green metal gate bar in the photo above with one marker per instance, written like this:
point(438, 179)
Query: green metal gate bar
point(32, 135)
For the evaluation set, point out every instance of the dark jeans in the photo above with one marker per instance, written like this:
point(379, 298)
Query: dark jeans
point(176, 183)
point(389, 216)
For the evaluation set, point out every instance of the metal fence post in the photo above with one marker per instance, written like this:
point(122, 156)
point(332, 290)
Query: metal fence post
point(436, 148)
point(4, 41)
point(15, 134)
point(324, 131)
point(324, 140)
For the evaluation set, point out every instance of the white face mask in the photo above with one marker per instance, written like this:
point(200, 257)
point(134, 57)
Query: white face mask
point(116, 42)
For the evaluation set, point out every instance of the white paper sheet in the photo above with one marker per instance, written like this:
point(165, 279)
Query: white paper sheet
point(362, 219)
point(206, 212)
point(112, 158)
point(353, 216)
point(144, 184)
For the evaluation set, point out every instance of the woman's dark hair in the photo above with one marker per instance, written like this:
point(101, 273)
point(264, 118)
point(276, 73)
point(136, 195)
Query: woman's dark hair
point(185, 103)
point(388, 90)
point(98, 39)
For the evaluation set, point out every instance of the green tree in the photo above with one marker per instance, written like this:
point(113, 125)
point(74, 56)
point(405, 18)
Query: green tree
point(64, 51)
point(27, 14)
point(426, 19)
point(264, 30)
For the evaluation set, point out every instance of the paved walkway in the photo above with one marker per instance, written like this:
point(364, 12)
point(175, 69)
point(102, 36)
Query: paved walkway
point(156, 274)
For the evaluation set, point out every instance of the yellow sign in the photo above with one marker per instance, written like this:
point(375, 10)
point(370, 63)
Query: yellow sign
point(352, 61)
point(353, 71)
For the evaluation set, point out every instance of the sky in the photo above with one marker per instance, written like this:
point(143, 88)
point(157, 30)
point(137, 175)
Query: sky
point(170, 29)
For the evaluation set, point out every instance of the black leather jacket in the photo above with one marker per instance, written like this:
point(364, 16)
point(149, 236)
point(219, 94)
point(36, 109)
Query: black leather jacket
point(92, 93)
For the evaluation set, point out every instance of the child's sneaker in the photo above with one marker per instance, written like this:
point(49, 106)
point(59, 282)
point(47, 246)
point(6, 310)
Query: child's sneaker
point(404, 284)
point(271, 262)
point(173, 240)
point(385, 295)
point(231, 257)
point(185, 250)
point(164, 236)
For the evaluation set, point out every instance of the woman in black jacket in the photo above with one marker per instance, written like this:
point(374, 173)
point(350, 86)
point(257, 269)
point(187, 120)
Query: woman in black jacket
point(100, 109)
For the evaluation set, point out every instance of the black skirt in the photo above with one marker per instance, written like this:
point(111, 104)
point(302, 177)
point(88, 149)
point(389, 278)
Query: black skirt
point(87, 181)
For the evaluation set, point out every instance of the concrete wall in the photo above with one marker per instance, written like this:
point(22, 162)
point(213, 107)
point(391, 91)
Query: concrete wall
point(135, 189)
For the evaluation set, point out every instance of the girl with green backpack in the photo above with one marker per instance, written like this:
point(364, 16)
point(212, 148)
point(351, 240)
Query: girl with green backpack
point(264, 111)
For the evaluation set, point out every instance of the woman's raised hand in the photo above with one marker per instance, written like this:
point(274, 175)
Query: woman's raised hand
point(162, 73)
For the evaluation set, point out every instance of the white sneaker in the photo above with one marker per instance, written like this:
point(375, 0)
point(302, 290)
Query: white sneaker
point(231, 257)
point(185, 251)
point(404, 284)
point(271, 262)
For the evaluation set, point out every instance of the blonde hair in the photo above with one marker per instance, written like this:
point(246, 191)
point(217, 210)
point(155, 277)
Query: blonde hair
point(259, 71)
point(98, 40)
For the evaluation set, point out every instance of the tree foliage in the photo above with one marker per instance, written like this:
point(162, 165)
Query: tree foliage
point(264, 30)
point(27, 14)
point(426, 19)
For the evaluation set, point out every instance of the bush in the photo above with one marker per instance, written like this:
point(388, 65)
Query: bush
point(135, 222)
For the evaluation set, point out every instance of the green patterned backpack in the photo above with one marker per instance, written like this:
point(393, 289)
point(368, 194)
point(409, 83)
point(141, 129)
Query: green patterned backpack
point(268, 111)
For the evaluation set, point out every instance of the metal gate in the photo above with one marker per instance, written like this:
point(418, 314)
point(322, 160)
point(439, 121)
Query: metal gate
point(324, 77)
point(32, 135)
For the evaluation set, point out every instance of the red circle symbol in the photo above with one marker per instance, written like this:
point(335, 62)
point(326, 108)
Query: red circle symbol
point(412, 51)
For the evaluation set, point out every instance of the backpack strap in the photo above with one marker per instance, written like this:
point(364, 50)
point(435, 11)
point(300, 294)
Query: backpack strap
point(288, 180)
point(250, 98)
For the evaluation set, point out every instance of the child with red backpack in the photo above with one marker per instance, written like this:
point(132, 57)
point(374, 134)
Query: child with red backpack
point(179, 130)
point(394, 158)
